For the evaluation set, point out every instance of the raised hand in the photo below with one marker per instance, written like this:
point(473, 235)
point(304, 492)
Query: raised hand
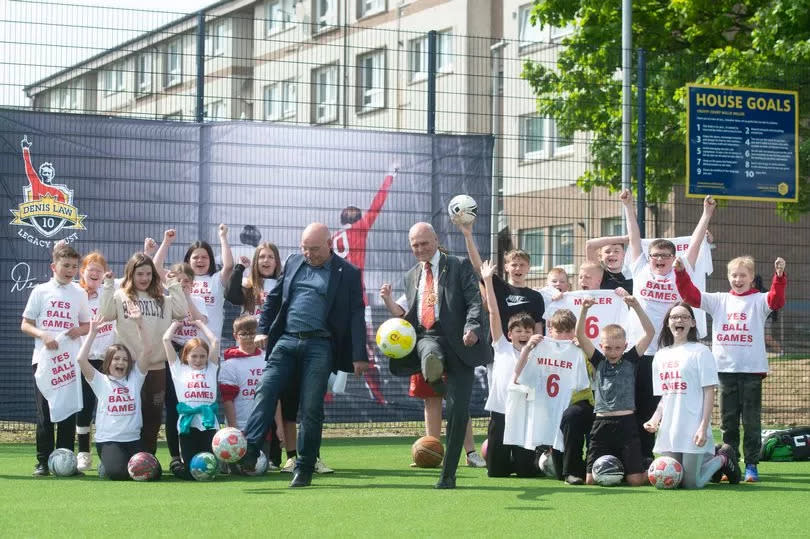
point(487, 269)
point(588, 302)
point(169, 236)
point(626, 197)
point(631, 301)
point(134, 311)
point(779, 266)
point(223, 230)
point(385, 291)
point(150, 246)
point(678, 265)
point(245, 261)
point(108, 275)
point(709, 205)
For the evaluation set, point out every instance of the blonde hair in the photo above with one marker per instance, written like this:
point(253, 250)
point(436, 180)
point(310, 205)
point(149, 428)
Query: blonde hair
point(557, 270)
point(745, 261)
point(612, 331)
point(563, 321)
point(588, 266)
point(516, 253)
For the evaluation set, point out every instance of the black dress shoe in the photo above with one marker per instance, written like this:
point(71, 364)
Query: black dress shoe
point(301, 479)
point(446, 482)
point(41, 470)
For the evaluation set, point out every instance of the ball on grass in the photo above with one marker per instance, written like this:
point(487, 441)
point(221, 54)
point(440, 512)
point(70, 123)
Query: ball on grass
point(427, 452)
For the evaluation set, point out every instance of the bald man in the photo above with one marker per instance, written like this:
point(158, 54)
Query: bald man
point(443, 302)
point(312, 324)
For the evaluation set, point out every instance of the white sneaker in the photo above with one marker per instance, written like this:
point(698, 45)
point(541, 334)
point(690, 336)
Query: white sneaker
point(474, 460)
point(272, 467)
point(320, 467)
point(289, 466)
point(84, 461)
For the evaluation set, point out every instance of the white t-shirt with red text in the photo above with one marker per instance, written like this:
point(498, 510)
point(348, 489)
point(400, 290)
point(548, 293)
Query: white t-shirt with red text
point(656, 294)
point(105, 336)
point(738, 330)
point(608, 309)
point(57, 378)
point(679, 375)
point(211, 291)
point(194, 387)
point(118, 410)
point(244, 373)
point(188, 330)
point(555, 371)
point(56, 308)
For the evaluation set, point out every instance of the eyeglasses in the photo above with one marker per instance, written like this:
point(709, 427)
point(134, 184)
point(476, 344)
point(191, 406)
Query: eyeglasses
point(246, 334)
point(680, 317)
point(661, 256)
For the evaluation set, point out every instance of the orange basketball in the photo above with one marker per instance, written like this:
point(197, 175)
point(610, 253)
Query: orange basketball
point(427, 452)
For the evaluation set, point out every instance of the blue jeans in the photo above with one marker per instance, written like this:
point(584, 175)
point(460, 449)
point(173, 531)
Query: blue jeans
point(312, 359)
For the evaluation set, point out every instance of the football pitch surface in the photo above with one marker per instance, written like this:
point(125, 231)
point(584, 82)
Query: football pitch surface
point(374, 493)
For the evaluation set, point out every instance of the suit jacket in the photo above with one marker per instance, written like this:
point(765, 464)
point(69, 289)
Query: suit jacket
point(459, 311)
point(344, 320)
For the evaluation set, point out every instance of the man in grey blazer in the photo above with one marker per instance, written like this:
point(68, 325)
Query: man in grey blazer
point(443, 302)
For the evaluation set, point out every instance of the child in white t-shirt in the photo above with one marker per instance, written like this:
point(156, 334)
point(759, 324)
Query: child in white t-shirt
point(502, 460)
point(194, 376)
point(738, 345)
point(685, 375)
point(117, 387)
point(654, 288)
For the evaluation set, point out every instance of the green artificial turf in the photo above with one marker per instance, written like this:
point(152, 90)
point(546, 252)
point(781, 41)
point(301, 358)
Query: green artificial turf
point(374, 493)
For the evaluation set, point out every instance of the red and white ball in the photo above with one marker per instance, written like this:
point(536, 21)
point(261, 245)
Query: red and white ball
point(143, 467)
point(229, 444)
point(665, 473)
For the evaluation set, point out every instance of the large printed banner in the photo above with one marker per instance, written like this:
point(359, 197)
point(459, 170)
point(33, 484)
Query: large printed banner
point(106, 184)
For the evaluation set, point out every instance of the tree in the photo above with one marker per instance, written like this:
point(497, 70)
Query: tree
point(757, 43)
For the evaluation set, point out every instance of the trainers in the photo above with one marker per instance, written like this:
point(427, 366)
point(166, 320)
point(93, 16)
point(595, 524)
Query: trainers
point(732, 467)
point(177, 467)
point(718, 475)
point(574, 480)
point(289, 466)
point(474, 460)
point(84, 461)
point(320, 467)
point(751, 473)
point(41, 470)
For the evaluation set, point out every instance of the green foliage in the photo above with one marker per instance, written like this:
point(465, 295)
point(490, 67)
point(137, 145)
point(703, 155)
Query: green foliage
point(758, 43)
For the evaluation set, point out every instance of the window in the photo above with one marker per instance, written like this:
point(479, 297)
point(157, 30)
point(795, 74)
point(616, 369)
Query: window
point(324, 15)
point(535, 142)
point(215, 42)
point(418, 55)
point(612, 226)
point(325, 94)
point(65, 99)
point(215, 111)
point(371, 80)
point(114, 78)
point(533, 241)
point(529, 34)
point(562, 247)
point(278, 16)
point(174, 116)
point(143, 74)
point(369, 7)
point(174, 63)
point(532, 141)
point(280, 100)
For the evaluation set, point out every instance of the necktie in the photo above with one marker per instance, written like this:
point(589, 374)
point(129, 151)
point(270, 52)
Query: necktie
point(428, 299)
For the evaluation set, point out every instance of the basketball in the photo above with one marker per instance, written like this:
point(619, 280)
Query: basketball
point(229, 444)
point(204, 466)
point(62, 463)
point(462, 209)
point(396, 338)
point(143, 466)
point(665, 473)
point(427, 452)
point(608, 471)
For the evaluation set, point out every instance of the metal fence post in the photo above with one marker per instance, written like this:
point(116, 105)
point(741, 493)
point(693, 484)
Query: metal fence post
point(431, 83)
point(200, 101)
point(641, 142)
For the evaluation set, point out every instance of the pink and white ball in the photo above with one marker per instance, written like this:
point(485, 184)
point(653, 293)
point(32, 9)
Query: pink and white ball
point(229, 444)
point(665, 473)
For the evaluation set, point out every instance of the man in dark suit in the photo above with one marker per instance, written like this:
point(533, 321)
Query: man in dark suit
point(311, 325)
point(443, 302)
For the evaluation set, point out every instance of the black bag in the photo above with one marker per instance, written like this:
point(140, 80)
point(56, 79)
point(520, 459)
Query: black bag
point(786, 445)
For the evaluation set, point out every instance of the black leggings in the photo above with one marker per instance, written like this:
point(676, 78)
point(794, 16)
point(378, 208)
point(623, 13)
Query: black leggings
point(115, 457)
point(85, 416)
point(503, 460)
point(171, 414)
point(193, 442)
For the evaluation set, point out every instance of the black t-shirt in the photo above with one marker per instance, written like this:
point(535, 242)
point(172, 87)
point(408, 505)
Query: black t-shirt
point(515, 299)
point(612, 281)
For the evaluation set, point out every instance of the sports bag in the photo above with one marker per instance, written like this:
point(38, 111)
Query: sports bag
point(786, 445)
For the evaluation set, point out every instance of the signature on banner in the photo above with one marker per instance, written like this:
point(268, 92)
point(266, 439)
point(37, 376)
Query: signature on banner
point(21, 278)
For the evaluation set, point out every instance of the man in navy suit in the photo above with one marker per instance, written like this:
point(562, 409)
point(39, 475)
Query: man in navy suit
point(442, 301)
point(312, 324)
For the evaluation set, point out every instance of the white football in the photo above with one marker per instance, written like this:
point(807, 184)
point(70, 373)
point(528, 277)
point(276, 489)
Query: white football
point(462, 209)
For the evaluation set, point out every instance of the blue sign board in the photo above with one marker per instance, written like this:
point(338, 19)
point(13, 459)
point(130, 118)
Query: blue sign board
point(742, 143)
